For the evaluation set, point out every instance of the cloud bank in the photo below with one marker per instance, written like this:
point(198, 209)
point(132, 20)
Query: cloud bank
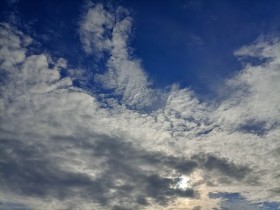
point(63, 148)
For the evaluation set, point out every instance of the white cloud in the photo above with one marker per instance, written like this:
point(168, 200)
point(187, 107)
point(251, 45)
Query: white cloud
point(115, 149)
point(105, 31)
point(255, 99)
point(12, 52)
point(94, 28)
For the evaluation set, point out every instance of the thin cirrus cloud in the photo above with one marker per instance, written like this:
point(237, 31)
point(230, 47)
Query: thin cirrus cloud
point(63, 148)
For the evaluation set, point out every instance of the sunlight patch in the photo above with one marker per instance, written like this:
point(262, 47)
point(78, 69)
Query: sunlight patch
point(183, 183)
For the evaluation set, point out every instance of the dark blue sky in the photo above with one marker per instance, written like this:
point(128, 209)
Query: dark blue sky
point(186, 41)
point(193, 41)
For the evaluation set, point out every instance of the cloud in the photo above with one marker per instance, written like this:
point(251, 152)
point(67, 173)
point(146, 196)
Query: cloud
point(54, 145)
point(255, 99)
point(93, 29)
point(235, 201)
point(63, 148)
point(104, 32)
point(211, 162)
point(120, 173)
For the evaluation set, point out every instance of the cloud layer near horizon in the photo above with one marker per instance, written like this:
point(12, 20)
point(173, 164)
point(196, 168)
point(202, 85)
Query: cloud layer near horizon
point(63, 148)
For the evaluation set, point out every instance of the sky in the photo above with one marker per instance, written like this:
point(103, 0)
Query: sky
point(119, 105)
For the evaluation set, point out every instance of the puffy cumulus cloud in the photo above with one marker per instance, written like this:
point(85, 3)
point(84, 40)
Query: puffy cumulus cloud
point(63, 148)
point(103, 32)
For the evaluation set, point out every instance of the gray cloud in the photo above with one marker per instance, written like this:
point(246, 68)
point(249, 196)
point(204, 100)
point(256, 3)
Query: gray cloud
point(28, 170)
point(129, 176)
point(211, 162)
point(31, 170)
point(62, 148)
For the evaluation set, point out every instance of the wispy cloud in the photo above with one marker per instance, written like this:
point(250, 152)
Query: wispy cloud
point(101, 32)
point(62, 148)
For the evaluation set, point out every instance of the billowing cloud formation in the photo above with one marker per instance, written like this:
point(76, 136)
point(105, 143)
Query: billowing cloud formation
point(62, 148)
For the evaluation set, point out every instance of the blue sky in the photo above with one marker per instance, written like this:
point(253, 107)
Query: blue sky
point(140, 104)
point(192, 42)
point(170, 37)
